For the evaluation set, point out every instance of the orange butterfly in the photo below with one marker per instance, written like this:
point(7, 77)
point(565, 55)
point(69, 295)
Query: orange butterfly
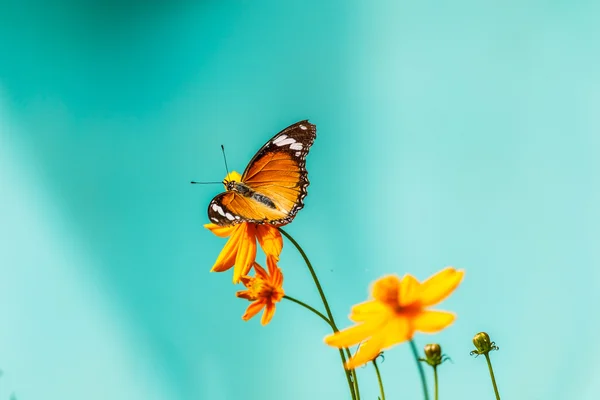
point(273, 186)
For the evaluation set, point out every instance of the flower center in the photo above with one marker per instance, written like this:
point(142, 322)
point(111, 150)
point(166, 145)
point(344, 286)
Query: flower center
point(261, 289)
point(390, 297)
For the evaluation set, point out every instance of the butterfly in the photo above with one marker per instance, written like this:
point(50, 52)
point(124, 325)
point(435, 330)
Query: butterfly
point(273, 185)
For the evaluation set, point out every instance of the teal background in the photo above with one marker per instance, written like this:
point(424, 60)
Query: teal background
point(457, 133)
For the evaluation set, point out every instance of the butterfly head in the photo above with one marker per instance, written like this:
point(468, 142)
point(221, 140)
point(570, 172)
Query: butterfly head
point(231, 179)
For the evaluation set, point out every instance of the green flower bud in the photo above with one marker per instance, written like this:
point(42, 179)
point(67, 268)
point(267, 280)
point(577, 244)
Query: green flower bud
point(433, 350)
point(433, 354)
point(483, 344)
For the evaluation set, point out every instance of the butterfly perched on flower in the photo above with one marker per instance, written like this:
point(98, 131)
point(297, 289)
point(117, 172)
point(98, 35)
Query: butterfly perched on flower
point(273, 186)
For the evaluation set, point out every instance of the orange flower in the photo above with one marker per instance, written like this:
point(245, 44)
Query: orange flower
point(397, 311)
point(240, 249)
point(264, 290)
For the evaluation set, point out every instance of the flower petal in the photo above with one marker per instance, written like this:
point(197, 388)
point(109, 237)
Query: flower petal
point(432, 321)
point(221, 231)
point(233, 176)
point(245, 294)
point(246, 280)
point(364, 311)
point(439, 286)
point(226, 258)
point(409, 291)
point(246, 253)
point(366, 352)
point(270, 240)
point(276, 275)
point(396, 331)
point(260, 272)
point(355, 334)
point(386, 289)
point(253, 309)
point(268, 314)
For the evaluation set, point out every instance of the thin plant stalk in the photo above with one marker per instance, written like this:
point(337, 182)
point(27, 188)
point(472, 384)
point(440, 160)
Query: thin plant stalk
point(435, 380)
point(382, 397)
point(324, 318)
point(420, 367)
point(351, 374)
point(309, 308)
point(489, 363)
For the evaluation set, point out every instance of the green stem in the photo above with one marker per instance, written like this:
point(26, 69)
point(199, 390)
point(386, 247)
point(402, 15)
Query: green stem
point(489, 363)
point(435, 379)
point(303, 304)
point(379, 379)
point(423, 381)
point(350, 375)
point(354, 376)
point(324, 318)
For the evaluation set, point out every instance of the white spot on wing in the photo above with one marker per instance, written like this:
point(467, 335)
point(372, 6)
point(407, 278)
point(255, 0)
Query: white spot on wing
point(296, 146)
point(218, 209)
point(303, 127)
point(279, 139)
point(284, 142)
point(298, 153)
point(229, 216)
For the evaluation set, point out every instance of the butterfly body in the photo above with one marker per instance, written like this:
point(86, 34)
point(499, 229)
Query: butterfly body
point(245, 191)
point(273, 186)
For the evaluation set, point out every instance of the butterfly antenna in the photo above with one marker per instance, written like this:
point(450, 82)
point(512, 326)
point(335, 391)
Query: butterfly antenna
point(225, 159)
point(226, 169)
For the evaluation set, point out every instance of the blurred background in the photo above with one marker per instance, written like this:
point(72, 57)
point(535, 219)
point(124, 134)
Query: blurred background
point(449, 133)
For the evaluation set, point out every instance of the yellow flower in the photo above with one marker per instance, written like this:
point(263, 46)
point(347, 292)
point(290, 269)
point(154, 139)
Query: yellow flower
point(397, 311)
point(240, 250)
point(264, 290)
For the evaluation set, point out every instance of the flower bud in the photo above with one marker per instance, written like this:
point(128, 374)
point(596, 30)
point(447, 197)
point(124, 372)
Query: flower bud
point(433, 354)
point(433, 350)
point(483, 344)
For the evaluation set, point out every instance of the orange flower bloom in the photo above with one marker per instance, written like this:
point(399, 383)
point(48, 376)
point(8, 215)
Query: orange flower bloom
point(264, 290)
point(397, 311)
point(240, 249)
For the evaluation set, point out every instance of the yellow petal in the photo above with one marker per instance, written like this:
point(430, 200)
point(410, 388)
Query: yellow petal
point(233, 176)
point(253, 309)
point(440, 286)
point(268, 314)
point(409, 291)
point(396, 331)
point(366, 353)
point(270, 240)
point(355, 334)
point(386, 289)
point(432, 321)
point(221, 231)
point(364, 311)
point(226, 258)
point(246, 253)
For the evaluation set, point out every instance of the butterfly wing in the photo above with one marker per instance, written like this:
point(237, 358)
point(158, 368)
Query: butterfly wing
point(277, 175)
point(278, 170)
point(231, 208)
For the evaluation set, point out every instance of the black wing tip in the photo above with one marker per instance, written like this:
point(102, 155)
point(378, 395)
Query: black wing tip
point(304, 121)
point(312, 128)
